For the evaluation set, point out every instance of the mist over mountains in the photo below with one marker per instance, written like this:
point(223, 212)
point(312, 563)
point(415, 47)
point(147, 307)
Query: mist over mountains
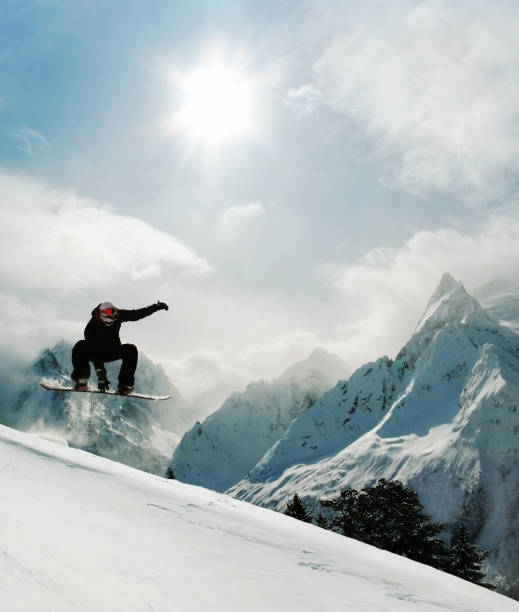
point(139, 434)
point(221, 451)
point(500, 298)
point(442, 416)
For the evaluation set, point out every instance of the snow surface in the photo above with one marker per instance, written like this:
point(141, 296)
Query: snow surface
point(450, 302)
point(443, 417)
point(79, 532)
point(220, 451)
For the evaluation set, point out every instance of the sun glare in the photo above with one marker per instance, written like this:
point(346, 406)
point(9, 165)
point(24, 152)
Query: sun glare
point(217, 105)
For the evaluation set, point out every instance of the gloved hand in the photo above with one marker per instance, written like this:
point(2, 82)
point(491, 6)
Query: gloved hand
point(103, 384)
point(162, 306)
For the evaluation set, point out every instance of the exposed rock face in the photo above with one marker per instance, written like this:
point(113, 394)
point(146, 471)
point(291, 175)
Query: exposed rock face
point(443, 417)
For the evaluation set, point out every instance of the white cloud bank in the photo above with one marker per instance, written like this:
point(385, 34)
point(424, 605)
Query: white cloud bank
point(54, 239)
point(60, 254)
point(433, 83)
point(272, 358)
point(202, 370)
point(385, 292)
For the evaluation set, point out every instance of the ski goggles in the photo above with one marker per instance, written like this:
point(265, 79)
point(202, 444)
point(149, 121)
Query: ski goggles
point(109, 312)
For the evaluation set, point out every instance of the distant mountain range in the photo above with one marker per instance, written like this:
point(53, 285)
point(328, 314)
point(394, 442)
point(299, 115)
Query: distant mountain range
point(138, 433)
point(442, 417)
point(219, 452)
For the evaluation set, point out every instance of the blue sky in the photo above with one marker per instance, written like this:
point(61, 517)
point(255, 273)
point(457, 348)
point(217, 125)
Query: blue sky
point(380, 141)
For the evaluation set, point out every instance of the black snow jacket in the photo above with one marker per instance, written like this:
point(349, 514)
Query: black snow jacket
point(105, 338)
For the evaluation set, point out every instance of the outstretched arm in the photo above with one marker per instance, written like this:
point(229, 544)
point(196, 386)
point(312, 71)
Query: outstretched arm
point(140, 313)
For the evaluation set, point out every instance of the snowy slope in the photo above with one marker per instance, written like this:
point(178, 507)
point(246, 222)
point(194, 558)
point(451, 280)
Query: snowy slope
point(443, 417)
point(140, 434)
point(219, 452)
point(79, 532)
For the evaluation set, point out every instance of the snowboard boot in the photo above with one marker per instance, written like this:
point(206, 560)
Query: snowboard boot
point(124, 389)
point(81, 384)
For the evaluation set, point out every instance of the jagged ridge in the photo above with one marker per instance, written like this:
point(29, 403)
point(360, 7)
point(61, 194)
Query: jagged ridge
point(443, 417)
point(219, 452)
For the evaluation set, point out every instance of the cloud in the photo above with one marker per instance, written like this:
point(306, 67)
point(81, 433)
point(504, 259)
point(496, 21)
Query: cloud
point(28, 323)
point(270, 359)
point(54, 239)
point(386, 291)
point(433, 84)
point(201, 370)
point(239, 216)
point(304, 100)
point(30, 141)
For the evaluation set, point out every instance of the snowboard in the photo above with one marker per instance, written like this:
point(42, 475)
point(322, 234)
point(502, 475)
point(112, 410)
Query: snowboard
point(52, 385)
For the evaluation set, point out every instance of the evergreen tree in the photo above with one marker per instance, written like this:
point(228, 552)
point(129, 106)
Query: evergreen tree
point(398, 524)
point(169, 474)
point(465, 558)
point(389, 516)
point(296, 509)
point(348, 519)
point(322, 522)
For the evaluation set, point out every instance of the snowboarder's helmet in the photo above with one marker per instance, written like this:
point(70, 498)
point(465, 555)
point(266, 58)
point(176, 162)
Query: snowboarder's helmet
point(107, 312)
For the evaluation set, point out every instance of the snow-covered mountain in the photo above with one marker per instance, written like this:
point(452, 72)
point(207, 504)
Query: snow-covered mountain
point(207, 402)
point(443, 417)
point(220, 451)
point(83, 533)
point(136, 432)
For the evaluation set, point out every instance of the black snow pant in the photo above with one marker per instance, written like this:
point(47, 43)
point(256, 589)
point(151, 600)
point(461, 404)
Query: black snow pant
point(82, 354)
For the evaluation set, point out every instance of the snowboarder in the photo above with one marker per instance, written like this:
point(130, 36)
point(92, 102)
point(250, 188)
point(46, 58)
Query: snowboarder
point(102, 344)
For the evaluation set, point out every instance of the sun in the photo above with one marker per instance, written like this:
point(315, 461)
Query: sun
point(217, 104)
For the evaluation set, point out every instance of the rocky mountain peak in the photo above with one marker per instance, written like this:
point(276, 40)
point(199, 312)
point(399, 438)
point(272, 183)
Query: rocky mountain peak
point(450, 302)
